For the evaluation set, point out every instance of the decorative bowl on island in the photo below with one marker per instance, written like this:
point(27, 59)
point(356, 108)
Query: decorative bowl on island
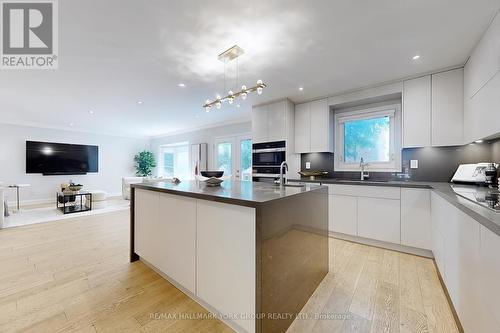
point(210, 174)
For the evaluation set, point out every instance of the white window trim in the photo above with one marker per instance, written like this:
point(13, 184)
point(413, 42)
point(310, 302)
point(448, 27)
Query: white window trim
point(160, 165)
point(391, 110)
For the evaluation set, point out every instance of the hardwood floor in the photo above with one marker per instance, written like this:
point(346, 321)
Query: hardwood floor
point(74, 276)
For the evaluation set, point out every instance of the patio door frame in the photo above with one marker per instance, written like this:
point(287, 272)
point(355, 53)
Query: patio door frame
point(235, 141)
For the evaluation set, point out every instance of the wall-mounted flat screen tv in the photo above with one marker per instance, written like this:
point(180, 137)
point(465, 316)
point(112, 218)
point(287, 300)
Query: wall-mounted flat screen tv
point(49, 158)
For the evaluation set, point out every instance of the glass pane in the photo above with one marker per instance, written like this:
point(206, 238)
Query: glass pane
point(246, 159)
point(175, 162)
point(224, 158)
point(181, 166)
point(168, 164)
point(367, 138)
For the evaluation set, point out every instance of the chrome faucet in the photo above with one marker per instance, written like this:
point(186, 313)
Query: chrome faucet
point(362, 165)
point(282, 176)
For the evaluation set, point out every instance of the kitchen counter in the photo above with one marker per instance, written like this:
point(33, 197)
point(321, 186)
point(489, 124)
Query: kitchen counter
point(243, 248)
point(483, 215)
point(250, 194)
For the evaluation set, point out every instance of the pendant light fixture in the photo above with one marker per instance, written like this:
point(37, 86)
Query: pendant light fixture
point(227, 56)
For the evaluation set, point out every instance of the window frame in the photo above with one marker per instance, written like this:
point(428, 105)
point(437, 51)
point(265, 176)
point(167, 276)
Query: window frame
point(394, 112)
point(161, 166)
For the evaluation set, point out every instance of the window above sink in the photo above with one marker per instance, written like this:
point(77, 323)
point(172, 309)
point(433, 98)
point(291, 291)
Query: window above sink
point(371, 133)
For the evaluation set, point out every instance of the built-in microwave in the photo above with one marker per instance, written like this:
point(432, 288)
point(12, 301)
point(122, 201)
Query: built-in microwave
point(266, 160)
point(268, 153)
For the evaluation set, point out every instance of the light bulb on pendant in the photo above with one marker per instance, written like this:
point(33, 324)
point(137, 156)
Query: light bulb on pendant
point(244, 93)
point(259, 88)
point(230, 99)
point(218, 104)
point(207, 107)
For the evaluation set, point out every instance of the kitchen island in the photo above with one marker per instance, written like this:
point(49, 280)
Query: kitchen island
point(251, 253)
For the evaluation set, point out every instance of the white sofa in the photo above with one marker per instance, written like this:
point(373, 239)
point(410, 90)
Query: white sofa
point(127, 181)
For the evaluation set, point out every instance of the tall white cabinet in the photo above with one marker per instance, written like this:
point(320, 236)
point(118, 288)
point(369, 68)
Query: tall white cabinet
point(433, 111)
point(273, 122)
point(313, 127)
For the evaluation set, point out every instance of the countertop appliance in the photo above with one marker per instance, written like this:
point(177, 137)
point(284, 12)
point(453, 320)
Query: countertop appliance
point(266, 160)
point(487, 197)
point(475, 173)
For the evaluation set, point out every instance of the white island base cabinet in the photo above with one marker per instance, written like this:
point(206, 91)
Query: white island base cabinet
point(205, 248)
point(174, 253)
point(222, 243)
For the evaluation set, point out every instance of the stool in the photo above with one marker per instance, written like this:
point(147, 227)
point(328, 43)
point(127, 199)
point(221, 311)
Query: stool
point(99, 199)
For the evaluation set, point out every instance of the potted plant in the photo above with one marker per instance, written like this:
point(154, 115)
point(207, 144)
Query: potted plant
point(144, 163)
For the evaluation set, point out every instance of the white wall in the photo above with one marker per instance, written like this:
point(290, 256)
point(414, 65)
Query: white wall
point(115, 161)
point(207, 135)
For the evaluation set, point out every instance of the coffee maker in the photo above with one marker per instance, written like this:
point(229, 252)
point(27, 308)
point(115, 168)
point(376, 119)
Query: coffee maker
point(491, 175)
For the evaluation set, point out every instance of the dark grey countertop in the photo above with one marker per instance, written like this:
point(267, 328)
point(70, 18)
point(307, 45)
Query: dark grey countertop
point(250, 194)
point(483, 215)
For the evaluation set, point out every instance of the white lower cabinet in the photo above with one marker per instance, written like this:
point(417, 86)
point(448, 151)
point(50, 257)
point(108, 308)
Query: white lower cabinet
point(343, 214)
point(165, 234)
point(148, 244)
point(379, 219)
point(226, 259)
point(206, 247)
point(416, 217)
point(462, 252)
point(490, 273)
point(177, 228)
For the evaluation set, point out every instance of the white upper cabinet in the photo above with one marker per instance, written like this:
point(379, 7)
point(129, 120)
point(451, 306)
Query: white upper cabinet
point(302, 128)
point(313, 127)
point(276, 121)
point(433, 110)
point(273, 122)
point(321, 127)
point(448, 108)
point(417, 112)
point(484, 61)
point(259, 123)
point(482, 86)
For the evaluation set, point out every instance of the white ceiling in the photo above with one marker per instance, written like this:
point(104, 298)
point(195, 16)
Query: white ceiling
point(116, 52)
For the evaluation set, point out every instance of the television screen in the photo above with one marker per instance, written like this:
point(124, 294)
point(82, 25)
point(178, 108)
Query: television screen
point(51, 158)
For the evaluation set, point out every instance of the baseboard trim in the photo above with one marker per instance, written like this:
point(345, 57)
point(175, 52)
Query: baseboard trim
point(447, 294)
point(31, 202)
point(385, 245)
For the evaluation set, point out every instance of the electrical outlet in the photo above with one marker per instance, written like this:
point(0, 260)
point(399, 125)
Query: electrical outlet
point(308, 165)
point(414, 164)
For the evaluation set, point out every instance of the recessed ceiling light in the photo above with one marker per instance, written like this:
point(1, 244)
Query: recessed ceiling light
point(91, 112)
point(301, 88)
point(71, 124)
point(182, 85)
point(478, 141)
point(237, 105)
point(139, 102)
point(416, 57)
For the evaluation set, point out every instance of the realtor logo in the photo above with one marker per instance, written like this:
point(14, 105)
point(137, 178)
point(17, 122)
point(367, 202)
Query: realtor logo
point(29, 34)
